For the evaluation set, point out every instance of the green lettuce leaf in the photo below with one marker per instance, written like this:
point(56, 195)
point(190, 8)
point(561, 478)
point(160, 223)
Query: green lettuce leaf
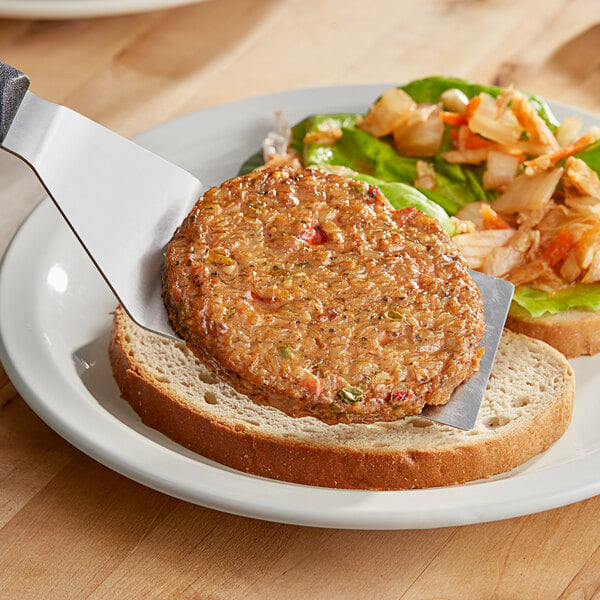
point(591, 156)
point(537, 302)
point(361, 152)
point(251, 163)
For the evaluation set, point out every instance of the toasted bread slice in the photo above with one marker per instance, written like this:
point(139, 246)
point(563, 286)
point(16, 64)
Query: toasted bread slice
point(527, 406)
point(573, 332)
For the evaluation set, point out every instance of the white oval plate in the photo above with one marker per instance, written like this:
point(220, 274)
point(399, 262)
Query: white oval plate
point(54, 323)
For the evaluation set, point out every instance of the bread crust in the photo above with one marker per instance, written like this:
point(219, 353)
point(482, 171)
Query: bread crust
point(572, 332)
point(326, 463)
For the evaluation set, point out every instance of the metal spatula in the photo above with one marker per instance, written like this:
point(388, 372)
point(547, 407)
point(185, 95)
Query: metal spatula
point(124, 203)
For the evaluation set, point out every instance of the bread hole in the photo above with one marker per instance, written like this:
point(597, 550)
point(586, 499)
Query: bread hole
point(210, 398)
point(392, 425)
point(207, 377)
point(521, 401)
point(496, 422)
point(421, 422)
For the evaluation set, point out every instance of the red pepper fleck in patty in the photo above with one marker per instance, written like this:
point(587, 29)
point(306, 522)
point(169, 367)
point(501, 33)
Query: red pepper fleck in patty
point(314, 235)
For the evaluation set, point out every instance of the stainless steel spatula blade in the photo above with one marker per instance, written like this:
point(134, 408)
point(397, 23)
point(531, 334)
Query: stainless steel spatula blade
point(122, 201)
point(463, 408)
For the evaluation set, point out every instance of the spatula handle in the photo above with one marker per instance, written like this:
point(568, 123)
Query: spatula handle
point(13, 85)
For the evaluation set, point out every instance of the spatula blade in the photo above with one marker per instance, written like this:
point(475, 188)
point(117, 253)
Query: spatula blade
point(122, 201)
point(462, 409)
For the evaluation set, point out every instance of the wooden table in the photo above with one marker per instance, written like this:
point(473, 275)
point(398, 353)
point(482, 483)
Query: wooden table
point(71, 528)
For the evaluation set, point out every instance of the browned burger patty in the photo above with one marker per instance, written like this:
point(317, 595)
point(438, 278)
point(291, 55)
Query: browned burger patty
point(308, 292)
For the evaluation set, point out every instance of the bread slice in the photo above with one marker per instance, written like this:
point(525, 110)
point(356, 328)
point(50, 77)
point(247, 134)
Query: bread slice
point(527, 406)
point(573, 332)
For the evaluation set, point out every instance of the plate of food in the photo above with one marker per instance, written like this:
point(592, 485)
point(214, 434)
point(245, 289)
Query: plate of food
point(199, 437)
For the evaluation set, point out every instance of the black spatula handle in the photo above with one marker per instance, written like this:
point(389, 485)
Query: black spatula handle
point(13, 85)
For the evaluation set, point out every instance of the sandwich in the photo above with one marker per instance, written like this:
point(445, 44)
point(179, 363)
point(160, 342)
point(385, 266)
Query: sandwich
point(317, 322)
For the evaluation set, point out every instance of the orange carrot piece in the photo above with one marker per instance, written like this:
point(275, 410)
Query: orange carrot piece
point(472, 106)
point(552, 158)
point(475, 141)
point(471, 141)
point(453, 118)
point(559, 247)
point(491, 219)
point(456, 119)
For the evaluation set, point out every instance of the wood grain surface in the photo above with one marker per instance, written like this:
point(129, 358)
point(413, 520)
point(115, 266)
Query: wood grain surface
point(71, 528)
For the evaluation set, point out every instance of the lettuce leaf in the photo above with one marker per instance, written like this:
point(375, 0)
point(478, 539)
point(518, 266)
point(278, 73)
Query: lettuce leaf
point(251, 163)
point(537, 302)
point(591, 156)
point(361, 152)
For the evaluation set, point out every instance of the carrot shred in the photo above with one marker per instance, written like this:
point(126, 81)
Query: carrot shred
point(471, 140)
point(472, 106)
point(546, 160)
point(456, 119)
point(475, 141)
point(491, 219)
point(559, 247)
point(453, 118)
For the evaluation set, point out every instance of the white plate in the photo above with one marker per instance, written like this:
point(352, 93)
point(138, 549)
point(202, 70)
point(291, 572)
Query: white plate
point(75, 9)
point(54, 321)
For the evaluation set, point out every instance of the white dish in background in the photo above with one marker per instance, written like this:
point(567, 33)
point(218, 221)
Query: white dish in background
point(54, 323)
point(76, 9)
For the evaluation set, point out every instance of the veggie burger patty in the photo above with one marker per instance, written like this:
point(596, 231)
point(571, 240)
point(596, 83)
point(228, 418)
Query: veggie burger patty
point(307, 291)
